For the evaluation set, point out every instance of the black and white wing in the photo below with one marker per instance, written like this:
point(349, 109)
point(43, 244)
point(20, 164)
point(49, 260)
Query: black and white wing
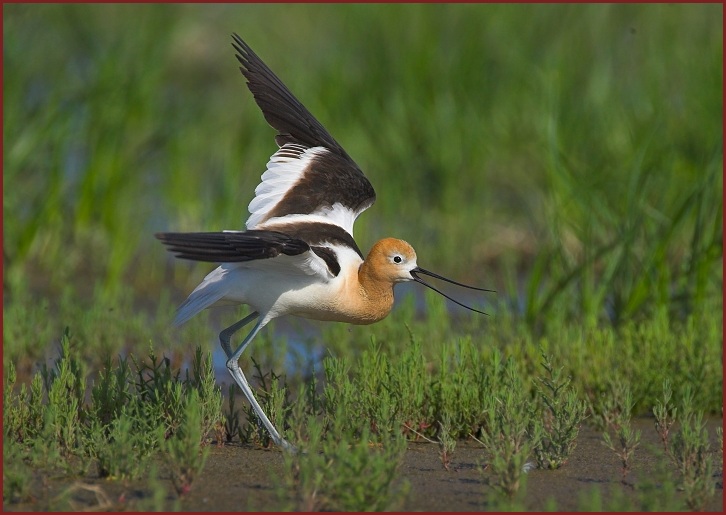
point(310, 195)
point(310, 179)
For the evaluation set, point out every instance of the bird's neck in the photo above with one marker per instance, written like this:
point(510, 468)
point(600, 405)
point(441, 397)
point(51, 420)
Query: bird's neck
point(375, 293)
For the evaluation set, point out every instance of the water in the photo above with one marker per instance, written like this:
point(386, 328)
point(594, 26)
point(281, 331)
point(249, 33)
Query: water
point(305, 337)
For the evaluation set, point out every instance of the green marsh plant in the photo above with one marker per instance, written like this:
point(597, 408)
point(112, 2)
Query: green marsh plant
point(462, 385)
point(556, 424)
point(184, 453)
point(611, 407)
point(386, 392)
point(690, 451)
point(504, 434)
point(447, 444)
point(122, 448)
point(67, 424)
point(232, 426)
point(273, 397)
point(382, 394)
point(17, 474)
point(23, 412)
point(339, 469)
point(112, 391)
point(627, 438)
point(65, 384)
point(204, 382)
point(665, 413)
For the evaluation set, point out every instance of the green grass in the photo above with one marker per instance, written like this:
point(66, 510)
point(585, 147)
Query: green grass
point(68, 424)
point(558, 417)
point(568, 156)
point(569, 152)
point(326, 473)
point(119, 423)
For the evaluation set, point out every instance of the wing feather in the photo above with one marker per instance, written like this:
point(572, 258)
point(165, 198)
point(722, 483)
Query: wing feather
point(311, 174)
point(231, 246)
point(279, 106)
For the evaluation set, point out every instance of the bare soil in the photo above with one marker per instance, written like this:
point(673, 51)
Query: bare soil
point(241, 478)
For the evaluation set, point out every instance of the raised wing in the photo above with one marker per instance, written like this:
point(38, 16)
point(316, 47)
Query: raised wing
point(311, 178)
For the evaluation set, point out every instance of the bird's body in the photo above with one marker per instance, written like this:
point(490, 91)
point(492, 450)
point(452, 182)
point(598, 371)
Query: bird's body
point(283, 286)
point(298, 255)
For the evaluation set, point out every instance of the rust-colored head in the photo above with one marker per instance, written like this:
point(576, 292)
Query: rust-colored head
point(390, 260)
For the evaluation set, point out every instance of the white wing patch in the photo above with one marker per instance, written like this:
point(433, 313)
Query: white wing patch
point(284, 170)
point(338, 215)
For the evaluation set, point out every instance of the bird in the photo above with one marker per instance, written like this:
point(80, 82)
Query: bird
point(297, 255)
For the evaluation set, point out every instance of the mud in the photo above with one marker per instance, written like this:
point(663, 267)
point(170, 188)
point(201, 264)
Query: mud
point(241, 478)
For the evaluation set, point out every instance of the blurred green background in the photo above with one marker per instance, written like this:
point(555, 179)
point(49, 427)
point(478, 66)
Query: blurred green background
point(568, 156)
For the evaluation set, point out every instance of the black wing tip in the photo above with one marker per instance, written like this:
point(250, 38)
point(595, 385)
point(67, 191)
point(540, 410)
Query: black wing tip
point(239, 44)
point(164, 237)
point(229, 247)
point(238, 40)
point(282, 110)
point(242, 49)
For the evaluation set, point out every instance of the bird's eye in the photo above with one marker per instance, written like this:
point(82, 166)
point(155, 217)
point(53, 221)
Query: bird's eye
point(397, 259)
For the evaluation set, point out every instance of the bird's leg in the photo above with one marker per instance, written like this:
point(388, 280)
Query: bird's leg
point(226, 335)
point(241, 380)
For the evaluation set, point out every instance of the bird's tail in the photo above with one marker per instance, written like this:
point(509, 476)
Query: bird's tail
point(211, 290)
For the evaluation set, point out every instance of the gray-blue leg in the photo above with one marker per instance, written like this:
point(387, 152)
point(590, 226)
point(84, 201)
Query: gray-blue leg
point(241, 380)
point(226, 335)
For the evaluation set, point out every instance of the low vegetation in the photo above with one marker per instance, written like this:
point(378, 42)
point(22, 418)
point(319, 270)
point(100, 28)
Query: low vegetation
point(575, 168)
point(135, 417)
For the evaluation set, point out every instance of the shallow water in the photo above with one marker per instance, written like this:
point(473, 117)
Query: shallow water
point(304, 338)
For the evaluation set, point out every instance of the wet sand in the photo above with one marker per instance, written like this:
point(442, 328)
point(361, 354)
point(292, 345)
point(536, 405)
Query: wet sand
point(241, 478)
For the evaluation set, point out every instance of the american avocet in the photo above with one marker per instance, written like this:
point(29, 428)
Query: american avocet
point(297, 256)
